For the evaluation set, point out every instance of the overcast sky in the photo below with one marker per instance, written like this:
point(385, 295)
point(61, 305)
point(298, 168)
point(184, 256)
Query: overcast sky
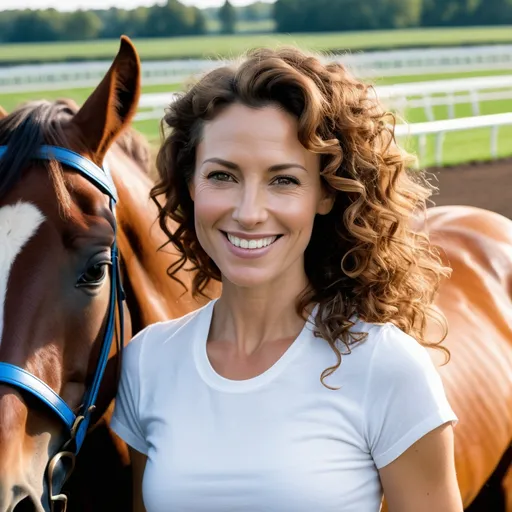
point(71, 5)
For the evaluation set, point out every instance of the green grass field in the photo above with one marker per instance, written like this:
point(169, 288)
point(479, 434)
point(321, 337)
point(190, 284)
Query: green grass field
point(229, 46)
point(458, 147)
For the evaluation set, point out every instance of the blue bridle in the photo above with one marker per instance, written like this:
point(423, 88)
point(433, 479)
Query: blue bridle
point(76, 423)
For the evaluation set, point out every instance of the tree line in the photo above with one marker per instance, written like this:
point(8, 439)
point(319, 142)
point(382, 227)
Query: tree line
point(175, 19)
point(167, 20)
point(344, 15)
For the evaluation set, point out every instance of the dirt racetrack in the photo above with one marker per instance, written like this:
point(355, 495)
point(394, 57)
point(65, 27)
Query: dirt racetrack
point(486, 185)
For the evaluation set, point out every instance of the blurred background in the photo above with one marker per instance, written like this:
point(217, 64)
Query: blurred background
point(444, 65)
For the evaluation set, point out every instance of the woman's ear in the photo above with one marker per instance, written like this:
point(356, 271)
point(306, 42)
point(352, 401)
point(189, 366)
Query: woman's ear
point(191, 189)
point(326, 202)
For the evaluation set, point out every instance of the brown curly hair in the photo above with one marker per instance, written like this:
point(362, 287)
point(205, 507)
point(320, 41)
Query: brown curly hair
point(364, 257)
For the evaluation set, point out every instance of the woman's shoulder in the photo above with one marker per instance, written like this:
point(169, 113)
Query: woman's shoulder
point(160, 333)
point(387, 349)
point(394, 355)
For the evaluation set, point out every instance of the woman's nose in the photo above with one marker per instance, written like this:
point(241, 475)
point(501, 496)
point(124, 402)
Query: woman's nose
point(251, 208)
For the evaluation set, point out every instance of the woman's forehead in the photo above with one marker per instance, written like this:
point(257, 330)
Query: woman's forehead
point(268, 122)
point(240, 131)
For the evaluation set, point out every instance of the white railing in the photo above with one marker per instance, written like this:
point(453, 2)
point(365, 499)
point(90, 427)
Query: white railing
point(476, 90)
point(381, 63)
point(153, 105)
point(440, 128)
point(429, 60)
point(399, 96)
point(75, 75)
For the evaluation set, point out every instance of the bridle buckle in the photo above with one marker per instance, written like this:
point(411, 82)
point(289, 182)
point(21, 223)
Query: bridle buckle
point(59, 498)
point(62, 498)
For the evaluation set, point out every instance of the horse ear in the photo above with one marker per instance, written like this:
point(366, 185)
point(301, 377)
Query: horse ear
point(3, 112)
point(111, 106)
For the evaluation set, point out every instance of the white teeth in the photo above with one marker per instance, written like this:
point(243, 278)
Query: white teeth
point(251, 244)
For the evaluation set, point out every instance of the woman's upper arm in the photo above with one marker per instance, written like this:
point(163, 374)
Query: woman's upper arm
point(138, 465)
point(423, 478)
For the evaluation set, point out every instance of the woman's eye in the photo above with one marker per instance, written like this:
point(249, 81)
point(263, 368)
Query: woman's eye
point(94, 275)
point(286, 180)
point(220, 176)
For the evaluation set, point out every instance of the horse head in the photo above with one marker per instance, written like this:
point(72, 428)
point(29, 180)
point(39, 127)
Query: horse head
point(61, 308)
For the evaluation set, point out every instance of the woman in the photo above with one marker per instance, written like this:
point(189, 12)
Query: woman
point(306, 385)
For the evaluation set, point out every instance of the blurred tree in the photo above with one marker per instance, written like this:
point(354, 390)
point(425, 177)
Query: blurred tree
point(397, 13)
point(493, 12)
point(343, 15)
point(227, 18)
point(255, 12)
point(114, 22)
point(211, 15)
point(136, 22)
point(200, 25)
point(292, 15)
point(6, 23)
point(32, 26)
point(80, 25)
point(439, 13)
point(173, 19)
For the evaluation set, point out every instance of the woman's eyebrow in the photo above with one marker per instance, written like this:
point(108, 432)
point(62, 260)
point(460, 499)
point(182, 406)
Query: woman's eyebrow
point(236, 167)
point(283, 167)
point(225, 163)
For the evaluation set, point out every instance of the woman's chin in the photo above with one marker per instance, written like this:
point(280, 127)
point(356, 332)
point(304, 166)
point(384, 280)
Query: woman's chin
point(249, 278)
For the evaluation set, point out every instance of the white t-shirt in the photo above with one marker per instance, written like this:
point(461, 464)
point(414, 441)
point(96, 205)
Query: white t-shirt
point(281, 441)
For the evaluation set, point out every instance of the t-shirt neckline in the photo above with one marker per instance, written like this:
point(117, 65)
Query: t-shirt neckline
point(216, 381)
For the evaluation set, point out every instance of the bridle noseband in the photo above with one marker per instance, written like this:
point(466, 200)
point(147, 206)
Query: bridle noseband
point(17, 377)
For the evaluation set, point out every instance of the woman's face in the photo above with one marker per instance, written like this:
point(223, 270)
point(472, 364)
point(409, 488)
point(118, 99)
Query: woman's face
point(256, 191)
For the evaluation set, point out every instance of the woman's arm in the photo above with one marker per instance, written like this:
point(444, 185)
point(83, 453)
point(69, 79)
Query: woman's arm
point(423, 478)
point(138, 465)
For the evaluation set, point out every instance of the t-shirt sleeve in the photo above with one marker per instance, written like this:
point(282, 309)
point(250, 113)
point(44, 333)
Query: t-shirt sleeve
point(405, 398)
point(126, 419)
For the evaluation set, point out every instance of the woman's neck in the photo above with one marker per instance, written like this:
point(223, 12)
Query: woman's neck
point(251, 317)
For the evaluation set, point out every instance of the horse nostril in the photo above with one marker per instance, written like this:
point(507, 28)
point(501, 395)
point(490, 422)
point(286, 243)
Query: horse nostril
point(25, 505)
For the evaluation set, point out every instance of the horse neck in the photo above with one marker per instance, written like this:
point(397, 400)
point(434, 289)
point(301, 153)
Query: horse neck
point(152, 295)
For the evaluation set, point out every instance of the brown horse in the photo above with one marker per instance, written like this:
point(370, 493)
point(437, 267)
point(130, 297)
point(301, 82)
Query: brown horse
point(56, 234)
point(477, 301)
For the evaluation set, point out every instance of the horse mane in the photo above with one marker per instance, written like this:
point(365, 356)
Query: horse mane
point(42, 122)
point(137, 147)
point(23, 132)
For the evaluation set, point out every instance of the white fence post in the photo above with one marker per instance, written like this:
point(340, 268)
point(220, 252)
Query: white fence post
point(494, 140)
point(422, 146)
point(473, 94)
point(429, 111)
point(439, 147)
point(451, 105)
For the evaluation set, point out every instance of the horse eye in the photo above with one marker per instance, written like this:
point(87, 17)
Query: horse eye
point(94, 275)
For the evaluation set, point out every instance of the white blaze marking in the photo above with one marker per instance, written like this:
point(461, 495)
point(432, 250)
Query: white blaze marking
point(18, 223)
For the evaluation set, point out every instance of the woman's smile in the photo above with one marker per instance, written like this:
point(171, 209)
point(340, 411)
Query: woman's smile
point(250, 246)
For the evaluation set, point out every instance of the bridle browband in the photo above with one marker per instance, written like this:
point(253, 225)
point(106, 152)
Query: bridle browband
point(75, 423)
